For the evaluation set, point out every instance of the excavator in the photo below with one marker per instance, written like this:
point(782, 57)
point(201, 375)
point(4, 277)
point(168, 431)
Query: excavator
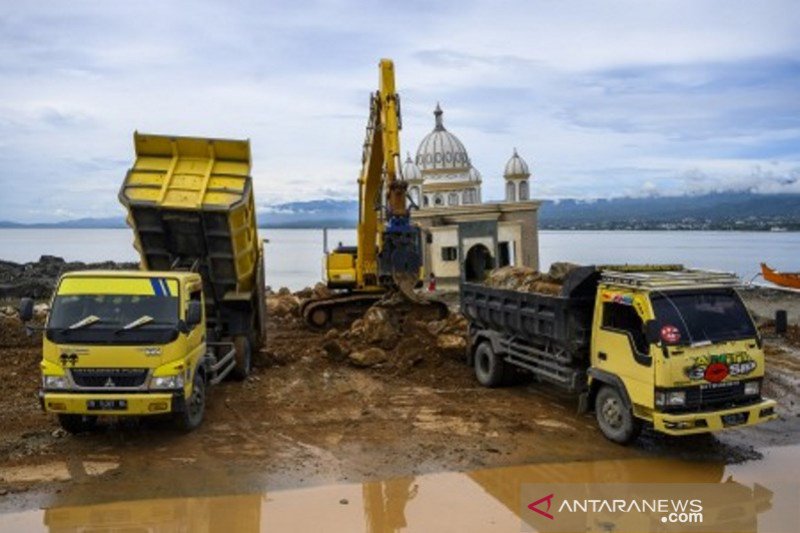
point(386, 264)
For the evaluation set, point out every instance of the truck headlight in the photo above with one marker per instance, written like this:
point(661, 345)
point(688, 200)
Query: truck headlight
point(167, 382)
point(752, 388)
point(56, 382)
point(660, 399)
point(676, 398)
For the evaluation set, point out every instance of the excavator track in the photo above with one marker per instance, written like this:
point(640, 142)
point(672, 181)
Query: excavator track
point(342, 310)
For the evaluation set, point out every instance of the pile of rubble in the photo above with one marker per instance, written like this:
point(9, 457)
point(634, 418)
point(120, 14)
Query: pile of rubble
point(37, 279)
point(390, 335)
point(392, 338)
point(526, 279)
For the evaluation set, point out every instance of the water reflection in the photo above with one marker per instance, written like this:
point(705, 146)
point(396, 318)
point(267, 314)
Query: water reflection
point(484, 500)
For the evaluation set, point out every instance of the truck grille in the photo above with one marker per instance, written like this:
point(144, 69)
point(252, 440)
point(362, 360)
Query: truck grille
point(102, 378)
point(703, 398)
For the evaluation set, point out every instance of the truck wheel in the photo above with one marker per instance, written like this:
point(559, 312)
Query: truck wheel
point(615, 419)
point(490, 369)
point(192, 415)
point(243, 357)
point(77, 423)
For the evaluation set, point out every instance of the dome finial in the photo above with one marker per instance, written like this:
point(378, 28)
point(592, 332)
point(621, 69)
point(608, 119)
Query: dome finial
point(408, 158)
point(438, 114)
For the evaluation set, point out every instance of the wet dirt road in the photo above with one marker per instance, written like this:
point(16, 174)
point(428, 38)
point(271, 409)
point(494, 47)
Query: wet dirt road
point(306, 429)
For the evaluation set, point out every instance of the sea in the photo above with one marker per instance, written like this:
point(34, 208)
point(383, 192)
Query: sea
point(293, 257)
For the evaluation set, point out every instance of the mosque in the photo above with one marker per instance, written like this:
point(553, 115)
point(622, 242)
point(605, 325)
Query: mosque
point(466, 237)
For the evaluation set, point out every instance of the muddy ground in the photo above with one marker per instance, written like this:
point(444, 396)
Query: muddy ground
point(309, 416)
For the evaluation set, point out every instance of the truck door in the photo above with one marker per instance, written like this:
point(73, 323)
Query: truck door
point(620, 346)
point(195, 338)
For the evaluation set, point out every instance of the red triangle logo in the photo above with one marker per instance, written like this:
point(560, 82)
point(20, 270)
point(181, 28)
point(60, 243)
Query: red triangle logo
point(533, 507)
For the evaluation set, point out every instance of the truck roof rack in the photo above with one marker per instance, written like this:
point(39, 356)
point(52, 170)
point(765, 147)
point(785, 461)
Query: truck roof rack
point(675, 278)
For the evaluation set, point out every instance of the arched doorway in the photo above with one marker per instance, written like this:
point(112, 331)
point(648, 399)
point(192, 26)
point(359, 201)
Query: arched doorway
point(478, 263)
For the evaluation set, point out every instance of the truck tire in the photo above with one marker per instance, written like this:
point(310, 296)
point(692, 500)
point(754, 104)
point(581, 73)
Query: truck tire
point(75, 424)
point(490, 369)
point(614, 417)
point(192, 416)
point(243, 357)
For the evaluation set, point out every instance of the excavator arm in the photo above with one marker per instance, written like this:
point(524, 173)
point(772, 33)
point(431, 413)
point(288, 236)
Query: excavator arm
point(389, 246)
point(388, 256)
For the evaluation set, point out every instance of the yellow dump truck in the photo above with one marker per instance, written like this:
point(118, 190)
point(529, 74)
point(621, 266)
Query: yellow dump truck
point(662, 345)
point(150, 342)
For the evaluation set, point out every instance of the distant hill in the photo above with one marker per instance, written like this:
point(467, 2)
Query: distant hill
point(709, 211)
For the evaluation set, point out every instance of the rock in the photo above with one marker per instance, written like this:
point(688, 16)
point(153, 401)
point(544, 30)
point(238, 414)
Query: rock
point(58, 433)
point(435, 327)
point(344, 501)
point(283, 291)
point(332, 333)
point(283, 305)
point(559, 271)
point(369, 357)
point(453, 345)
point(8, 311)
point(41, 310)
point(321, 291)
point(305, 294)
point(336, 349)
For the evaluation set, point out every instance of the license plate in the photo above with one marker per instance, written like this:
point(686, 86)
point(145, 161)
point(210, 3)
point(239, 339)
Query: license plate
point(736, 419)
point(106, 405)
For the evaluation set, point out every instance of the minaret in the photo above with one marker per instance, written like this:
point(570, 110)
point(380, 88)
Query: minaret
point(516, 175)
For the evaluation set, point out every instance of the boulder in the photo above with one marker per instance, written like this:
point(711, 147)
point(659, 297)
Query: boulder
point(369, 357)
point(558, 271)
point(452, 345)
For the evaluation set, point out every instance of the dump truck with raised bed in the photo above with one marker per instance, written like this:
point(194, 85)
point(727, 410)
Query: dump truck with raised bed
point(662, 345)
point(150, 342)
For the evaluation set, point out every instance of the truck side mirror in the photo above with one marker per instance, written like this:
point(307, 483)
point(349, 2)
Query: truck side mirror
point(26, 309)
point(652, 331)
point(194, 313)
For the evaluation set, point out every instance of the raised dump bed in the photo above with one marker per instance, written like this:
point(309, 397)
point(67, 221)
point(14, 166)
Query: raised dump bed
point(190, 205)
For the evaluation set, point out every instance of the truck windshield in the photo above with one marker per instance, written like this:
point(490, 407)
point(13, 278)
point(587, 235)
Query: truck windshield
point(706, 316)
point(112, 310)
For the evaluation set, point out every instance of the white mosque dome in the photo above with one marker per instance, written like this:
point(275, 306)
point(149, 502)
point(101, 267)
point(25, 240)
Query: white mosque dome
point(516, 167)
point(474, 175)
point(441, 150)
point(411, 171)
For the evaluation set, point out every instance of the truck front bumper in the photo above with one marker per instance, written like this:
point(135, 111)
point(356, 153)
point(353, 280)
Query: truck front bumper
point(112, 404)
point(705, 422)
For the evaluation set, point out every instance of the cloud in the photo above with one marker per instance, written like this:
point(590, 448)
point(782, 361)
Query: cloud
point(602, 99)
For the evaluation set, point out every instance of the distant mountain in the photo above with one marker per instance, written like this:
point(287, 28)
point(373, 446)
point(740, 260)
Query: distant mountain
point(709, 211)
point(310, 214)
point(78, 223)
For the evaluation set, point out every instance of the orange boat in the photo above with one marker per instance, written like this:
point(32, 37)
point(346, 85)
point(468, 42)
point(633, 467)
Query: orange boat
point(784, 279)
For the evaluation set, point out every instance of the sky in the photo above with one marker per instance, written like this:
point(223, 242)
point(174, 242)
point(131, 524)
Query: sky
point(602, 98)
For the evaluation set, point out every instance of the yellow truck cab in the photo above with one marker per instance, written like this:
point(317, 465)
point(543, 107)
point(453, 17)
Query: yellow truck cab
point(659, 344)
point(127, 343)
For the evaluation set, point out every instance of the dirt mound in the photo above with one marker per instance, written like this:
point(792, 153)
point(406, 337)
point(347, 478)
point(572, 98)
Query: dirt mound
point(522, 278)
point(390, 337)
point(12, 330)
point(37, 279)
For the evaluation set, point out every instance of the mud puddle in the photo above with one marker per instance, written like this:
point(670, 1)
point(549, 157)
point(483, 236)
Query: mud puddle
point(480, 500)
